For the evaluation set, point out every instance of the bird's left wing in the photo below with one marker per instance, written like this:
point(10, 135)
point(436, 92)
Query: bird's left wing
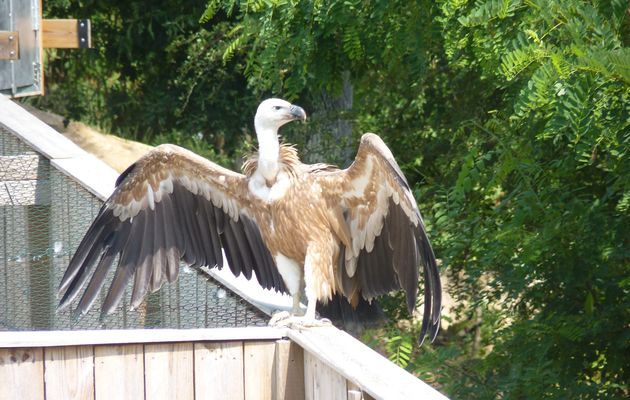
point(170, 205)
point(385, 240)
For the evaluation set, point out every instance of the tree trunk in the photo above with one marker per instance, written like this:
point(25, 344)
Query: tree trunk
point(330, 139)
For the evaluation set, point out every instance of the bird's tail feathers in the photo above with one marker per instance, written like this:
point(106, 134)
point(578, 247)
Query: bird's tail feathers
point(353, 320)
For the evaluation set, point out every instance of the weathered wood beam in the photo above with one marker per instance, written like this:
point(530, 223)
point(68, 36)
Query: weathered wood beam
point(22, 370)
point(175, 360)
point(66, 33)
point(126, 336)
point(69, 372)
point(288, 373)
point(370, 372)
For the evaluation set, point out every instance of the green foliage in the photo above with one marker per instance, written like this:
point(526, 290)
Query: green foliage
point(521, 108)
point(293, 47)
point(154, 75)
point(399, 349)
point(537, 193)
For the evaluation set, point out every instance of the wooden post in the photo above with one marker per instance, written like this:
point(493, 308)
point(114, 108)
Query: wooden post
point(258, 369)
point(20, 368)
point(168, 371)
point(330, 354)
point(323, 381)
point(219, 370)
point(119, 372)
point(69, 372)
point(288, 371)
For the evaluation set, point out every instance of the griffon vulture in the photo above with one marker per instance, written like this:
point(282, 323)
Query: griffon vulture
point(300, 228)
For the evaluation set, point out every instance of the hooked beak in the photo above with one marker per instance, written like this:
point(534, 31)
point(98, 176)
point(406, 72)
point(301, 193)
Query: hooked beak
point(297, 112)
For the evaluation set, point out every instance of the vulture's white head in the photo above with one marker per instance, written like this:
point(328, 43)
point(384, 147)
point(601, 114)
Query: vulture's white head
point(273, 113)
point(270, 116)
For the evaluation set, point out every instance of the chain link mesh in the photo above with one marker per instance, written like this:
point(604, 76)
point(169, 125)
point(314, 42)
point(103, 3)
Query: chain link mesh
point(43, 217)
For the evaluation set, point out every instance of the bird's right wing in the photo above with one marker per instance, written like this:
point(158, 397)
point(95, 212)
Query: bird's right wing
point(170, 205)
point(385, 241)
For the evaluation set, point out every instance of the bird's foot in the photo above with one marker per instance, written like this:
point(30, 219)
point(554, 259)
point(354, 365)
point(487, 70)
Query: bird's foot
point(285, 319)
point(278, 317)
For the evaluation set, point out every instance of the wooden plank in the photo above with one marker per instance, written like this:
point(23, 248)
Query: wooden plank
point(219, 371)
point(309, 367)
point(21, 374)
point(355, 392)
point(309, 375)
point(63, 34)
point(324, 382)
point(69, 372)
point(353, 360)
point(288, 380)
point(334, 387)
point(258, 370)
point(168, 371)
point(119, 372)
point(41, 137)
point(124, 336)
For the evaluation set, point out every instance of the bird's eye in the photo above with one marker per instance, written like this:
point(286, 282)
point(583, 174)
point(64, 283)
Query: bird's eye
point(276, 108)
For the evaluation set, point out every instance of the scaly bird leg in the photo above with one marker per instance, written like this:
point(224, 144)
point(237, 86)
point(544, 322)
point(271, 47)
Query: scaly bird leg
point(299, 320)
point(297, 310)
point(282, 318)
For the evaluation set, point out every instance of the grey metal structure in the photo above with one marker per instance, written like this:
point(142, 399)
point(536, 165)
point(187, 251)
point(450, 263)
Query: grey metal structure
point(22, 77)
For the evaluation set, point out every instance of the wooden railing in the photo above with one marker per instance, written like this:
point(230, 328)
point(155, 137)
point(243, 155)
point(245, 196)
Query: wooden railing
point(239, 363)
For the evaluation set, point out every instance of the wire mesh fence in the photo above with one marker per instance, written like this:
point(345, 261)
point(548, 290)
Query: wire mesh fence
point(43, 216)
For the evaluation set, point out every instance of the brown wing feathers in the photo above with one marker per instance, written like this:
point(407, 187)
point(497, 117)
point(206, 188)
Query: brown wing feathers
point(391, 261)
point(148, 246)
point(173, 205)
point(393, 264)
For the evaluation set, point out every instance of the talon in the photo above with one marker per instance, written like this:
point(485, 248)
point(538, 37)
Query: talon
point(278, 318)
point(298, 322)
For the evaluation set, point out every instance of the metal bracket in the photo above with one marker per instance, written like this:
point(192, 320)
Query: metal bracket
point(83, 31)
point(9, 45)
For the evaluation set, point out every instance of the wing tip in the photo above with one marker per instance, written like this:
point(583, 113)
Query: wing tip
point(429, 329)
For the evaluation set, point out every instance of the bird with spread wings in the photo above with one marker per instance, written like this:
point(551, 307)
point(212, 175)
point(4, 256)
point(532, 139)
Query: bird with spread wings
point(308, 229)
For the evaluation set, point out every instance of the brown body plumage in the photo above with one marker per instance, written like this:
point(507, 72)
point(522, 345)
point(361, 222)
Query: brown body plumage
point(355, 232)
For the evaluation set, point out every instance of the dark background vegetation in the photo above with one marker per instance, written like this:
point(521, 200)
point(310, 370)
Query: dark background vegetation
point(510, 119)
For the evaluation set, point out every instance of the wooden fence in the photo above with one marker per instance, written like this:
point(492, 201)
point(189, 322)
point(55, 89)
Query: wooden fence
point(230, 363)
